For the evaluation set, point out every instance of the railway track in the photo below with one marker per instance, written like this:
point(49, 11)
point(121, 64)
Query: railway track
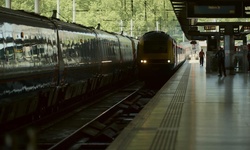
point(92, 126)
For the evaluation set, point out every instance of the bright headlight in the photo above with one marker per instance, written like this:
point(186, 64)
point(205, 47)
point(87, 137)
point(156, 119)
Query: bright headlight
point(143, 61)
point(168, 61)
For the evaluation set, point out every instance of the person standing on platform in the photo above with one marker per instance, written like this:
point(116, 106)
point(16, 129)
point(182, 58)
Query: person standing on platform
point(248, 59)
point(220, 55)
point(201, 55)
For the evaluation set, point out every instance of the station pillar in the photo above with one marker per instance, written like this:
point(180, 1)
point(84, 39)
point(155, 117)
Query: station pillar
point(8, 3)
point(229, 48)
point(212, 47)
point(244, 55)
point(244, 39)
point(229, 52)
point(37, 6)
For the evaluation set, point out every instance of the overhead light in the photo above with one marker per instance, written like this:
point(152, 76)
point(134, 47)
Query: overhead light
point(247, 9)
point(106, 61)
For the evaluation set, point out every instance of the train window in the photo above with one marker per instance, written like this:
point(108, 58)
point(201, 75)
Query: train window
point(9, 51)
point(41, 46)
point(155, 47)
point(18, 49)
point(1, 36)
point(9, 48)
point(1, 52)
point(22, 35)
point(1, 47)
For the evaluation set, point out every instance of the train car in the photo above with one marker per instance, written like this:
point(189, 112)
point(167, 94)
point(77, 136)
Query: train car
point(158, 55)
point(47, 64)
point(135, 46)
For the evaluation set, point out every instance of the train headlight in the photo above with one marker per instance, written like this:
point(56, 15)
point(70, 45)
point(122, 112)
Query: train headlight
point(168, 61)
point(143, 61)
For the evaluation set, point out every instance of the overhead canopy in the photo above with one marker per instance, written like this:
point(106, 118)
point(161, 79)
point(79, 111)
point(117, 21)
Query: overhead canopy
point(189, 11)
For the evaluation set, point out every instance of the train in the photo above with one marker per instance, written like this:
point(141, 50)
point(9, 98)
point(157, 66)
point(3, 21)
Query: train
point(47, 64)
point(158, 56)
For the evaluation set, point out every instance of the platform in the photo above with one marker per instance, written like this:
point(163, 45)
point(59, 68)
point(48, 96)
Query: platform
point(194, 110)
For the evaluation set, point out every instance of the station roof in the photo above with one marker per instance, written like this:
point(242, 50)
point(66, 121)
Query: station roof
point(188, 13)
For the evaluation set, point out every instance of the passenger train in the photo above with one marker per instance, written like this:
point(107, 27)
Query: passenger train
point(158, 56)
point(46, 64)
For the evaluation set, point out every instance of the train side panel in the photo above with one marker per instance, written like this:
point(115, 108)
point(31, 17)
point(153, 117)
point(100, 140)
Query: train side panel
point(29, 54)
point(47, 64)
point(126, 45)
point(128, 57)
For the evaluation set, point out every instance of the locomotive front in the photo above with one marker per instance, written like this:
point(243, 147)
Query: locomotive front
point(156, 55)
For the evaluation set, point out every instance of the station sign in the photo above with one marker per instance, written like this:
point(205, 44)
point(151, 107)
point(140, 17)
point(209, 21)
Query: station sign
point(209, 27)
point(214, 10)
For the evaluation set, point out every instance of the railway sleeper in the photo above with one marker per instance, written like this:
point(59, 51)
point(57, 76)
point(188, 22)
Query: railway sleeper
point(94, 129)
point(133, 108)
point(126, 117)
point(133, 100)
point(113, 116)
point(130, 111)
point(106, 135)
point(91, 146)
point(97, 125)
point(90, 131)
point(126, 106)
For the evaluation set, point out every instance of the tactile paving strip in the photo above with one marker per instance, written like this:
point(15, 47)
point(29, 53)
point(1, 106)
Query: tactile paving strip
point(166, 134)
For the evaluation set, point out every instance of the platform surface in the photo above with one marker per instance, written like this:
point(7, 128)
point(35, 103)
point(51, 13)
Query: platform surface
point(194, 110)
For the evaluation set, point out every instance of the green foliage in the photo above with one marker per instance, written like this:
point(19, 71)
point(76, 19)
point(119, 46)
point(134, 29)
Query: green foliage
point(2, 3)
point(113, 15)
